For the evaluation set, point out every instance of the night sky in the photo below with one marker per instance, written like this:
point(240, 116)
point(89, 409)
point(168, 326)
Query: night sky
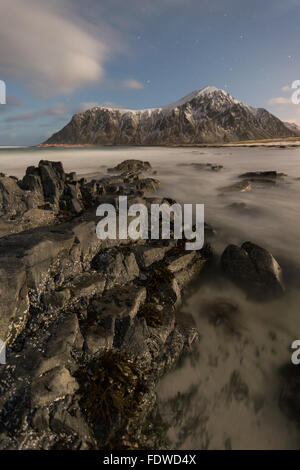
point(59, 57)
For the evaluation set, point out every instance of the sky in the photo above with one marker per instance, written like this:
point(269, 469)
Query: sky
point(59, 57)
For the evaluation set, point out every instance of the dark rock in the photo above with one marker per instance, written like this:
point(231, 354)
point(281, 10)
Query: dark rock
point(240, 186)
point(12, 198)
point(204, 166)
point(52, 385)
point(261, 175)
point(132, 166)
point(254, 269)
point(53, 178)
point(290, 392)
point(71, 303)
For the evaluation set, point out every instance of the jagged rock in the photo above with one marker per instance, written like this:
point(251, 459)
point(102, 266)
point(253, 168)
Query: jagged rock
point(71, 198)
point(52, 385)
point(68, 299)
point(67, 336)
point(132, 166)
point(31, 260)
point(148, 255)
point(53, 178)
point(99, 339)
point(115, 312)
point(86, 285)
point(12, 198)
point(177, 263)
point(116, 268)
point(254, 269)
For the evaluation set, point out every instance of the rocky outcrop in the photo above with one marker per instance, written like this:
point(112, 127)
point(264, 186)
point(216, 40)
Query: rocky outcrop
point(90, 325)
point(253, 269)
point(208, 115)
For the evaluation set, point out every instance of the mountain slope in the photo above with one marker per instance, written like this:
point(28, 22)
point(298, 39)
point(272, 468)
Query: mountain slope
point(208, 115)
point(293, 127)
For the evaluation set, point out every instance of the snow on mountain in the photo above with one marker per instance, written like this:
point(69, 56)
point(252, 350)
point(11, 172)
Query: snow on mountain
point(293, 127)
point(208, 115)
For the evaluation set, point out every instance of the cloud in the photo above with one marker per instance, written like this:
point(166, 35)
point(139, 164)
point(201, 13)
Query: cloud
point(11, 101)
point(286, 88)
point(55, 110)
point(50, 51)
point(132, 84)
point(280, 100)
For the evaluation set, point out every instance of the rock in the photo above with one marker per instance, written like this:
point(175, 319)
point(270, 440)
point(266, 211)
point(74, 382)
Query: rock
point(132, 166)
point(56, 299)
point(240, 186)
point(98, 339)
point(71, 198)
point(34, 217)
point(14, 300)
point(70, 302)
point(67, 418)
point(86, 285)
point(52, 385)
point(204, 166)
point(53, 178)
point(12, 197)
point(32, 182)
point(115, 312)
point(116, 267)
point(187, 327)
point(254, 269)
point(66, 337)
point(148, 255)
point(265, 175)
point(289, 401)
point(177, 263)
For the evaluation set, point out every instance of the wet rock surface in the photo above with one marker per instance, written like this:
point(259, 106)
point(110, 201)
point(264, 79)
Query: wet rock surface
point(90, 325)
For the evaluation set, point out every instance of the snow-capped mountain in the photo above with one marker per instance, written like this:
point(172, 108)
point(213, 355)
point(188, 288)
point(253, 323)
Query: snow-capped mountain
point(208, 115)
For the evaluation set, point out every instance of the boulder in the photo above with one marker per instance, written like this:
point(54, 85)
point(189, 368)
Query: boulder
point(254, 269)
point(132, 166)
point(12, 197)
point(53, 179)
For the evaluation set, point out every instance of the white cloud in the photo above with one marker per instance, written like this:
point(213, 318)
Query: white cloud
point(280, 100)
point(132, 84)
point(52, 53)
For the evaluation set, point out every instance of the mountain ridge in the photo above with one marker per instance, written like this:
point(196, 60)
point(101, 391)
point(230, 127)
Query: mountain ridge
point(207, 115)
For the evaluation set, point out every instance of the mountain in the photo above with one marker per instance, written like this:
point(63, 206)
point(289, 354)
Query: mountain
point(293, 127)
point(208, 115)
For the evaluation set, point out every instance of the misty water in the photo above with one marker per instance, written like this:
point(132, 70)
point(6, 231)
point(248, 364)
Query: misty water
point(227, 394)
